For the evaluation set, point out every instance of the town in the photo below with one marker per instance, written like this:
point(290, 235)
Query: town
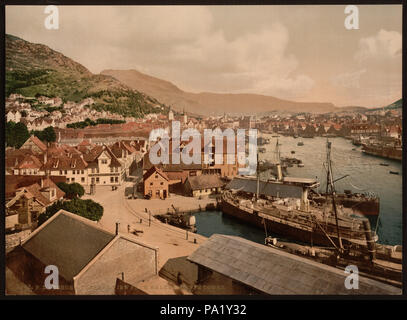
point(73, 170)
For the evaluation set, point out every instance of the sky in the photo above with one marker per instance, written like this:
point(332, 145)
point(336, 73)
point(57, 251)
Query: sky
point(300, 53)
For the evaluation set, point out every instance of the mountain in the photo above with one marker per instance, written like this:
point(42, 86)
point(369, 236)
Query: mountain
point(353, 109)
point(35, 69)
point(211, 103)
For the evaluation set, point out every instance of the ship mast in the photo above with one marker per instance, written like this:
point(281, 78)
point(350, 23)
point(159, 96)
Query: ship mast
point(258, 177)
point(331, 189)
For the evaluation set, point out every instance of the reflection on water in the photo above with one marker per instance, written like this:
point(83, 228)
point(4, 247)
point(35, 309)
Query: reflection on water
point(365, 175)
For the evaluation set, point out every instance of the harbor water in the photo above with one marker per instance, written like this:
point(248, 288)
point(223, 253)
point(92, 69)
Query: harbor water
point(366, 175)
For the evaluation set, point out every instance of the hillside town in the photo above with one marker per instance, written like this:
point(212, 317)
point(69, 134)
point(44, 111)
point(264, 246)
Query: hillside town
point(110, 161)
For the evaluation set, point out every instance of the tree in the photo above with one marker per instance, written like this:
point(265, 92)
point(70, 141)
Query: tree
point(72, 190)
point(49, 134)
point(85, 208)
point(16, 134)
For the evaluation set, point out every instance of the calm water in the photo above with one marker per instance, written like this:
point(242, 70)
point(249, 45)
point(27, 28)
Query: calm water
point(365, 175)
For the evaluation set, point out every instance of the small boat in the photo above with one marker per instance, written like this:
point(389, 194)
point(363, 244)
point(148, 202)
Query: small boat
point(384, 164)
point(300, 143)
point(292, 151)
point(393, 172)
point(300, 165)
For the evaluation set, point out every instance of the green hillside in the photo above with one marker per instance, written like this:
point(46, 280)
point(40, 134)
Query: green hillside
point(35, 69)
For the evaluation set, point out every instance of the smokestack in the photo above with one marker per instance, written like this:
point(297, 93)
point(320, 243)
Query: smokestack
point(117, 228)
point(279, 172)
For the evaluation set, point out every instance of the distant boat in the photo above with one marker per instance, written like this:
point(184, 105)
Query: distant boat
point(384, 164)
point(393, 172)
point(300, 165)
point(292, 151)
point(300, 143)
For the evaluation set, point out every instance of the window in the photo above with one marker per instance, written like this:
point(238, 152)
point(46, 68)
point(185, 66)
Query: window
point(97, 180)
point(67, 179)
point(60, 172)
point(116, 179)
point(111, 169)
point(66, 171)
point(73, 180)
point(73, 171)
point(78, 172)
point(82, 179)
point(82, 171)
point(111, 180)
point(104, 161)
point(151, 183)
point(156, 176)
point(162, 183)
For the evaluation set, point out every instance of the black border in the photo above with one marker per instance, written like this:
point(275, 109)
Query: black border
point(201, 300)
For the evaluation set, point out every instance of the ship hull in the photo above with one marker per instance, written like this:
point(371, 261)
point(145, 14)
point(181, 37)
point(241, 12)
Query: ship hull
point(364, 206)
point(383, 152)
point(310, 235)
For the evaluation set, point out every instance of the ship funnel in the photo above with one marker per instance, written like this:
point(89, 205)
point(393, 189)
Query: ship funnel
point(279, 172)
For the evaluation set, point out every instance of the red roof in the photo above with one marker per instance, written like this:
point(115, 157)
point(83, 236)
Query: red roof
point(38, 143)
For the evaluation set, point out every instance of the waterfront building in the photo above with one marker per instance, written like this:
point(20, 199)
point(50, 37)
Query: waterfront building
point(89, 259)
point(155, 183)
point(233, 265)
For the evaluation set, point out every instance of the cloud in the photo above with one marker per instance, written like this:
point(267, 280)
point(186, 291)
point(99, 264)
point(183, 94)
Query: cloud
point(255, 62)
point(348, 80)
point(181, 44)
point(384, 45)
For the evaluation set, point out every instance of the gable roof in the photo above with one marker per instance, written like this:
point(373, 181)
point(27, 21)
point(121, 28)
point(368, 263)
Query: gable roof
point(273, 271)
point(13, 183)
point(205, 181)
point(153, 170)
point(67, 241)
point(37, 142)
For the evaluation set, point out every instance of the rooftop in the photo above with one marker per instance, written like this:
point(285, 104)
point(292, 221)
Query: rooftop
point(272, 271)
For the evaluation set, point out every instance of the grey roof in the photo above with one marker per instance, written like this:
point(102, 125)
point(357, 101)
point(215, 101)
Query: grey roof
point(68, 242)
point(268, 188)
point(205, 181)
point(273, 271)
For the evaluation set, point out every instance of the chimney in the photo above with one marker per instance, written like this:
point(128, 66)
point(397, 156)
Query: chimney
point(117, 228)
point(279, 172)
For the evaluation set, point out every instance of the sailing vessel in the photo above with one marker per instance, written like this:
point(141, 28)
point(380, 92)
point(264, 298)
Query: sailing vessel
point(282, 206)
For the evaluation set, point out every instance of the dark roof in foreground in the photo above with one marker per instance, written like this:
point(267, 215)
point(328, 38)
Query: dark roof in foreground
point(272, 271)
point(67, 241)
